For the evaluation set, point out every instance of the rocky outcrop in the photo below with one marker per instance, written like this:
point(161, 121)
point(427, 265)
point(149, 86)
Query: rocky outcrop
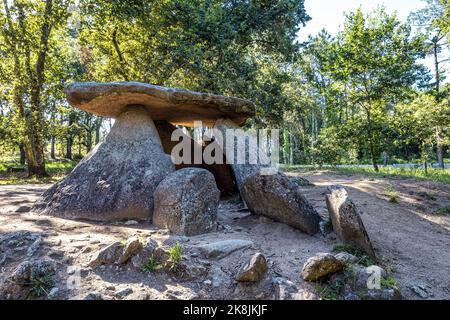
point(276, 197)
point(346, 220)
point(116, 180)
point(186, 202)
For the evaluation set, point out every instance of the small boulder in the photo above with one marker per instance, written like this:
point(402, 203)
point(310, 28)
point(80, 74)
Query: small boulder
point(320, 266)
point(107, 255)
point(253, 270)
point(346, 257)
point(132, 246)
point(277, 197)
point(27, 271)
point(223, 248)
point(346, 220)
point(143, 256)
point(186, 202)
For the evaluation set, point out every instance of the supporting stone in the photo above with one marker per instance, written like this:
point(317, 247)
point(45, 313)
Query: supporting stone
point(116, 180)
point(266, 190)
point(186, 202)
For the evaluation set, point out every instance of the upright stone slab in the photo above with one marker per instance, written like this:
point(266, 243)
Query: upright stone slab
point(186, 202)
point(346, 220)
point(276, 197)
point(266, 190)
point(116, 180)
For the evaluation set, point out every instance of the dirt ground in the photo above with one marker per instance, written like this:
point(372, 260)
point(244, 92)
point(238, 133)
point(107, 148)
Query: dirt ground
point(409, 237)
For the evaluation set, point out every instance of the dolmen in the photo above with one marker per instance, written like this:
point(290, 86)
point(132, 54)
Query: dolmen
point(133, 174)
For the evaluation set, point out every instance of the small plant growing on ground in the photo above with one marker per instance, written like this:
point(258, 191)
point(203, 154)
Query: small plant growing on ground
point(40, 286)
point(363, 258)
point(151, 265)
point(388, 283)
point(391, 193)
point(175, 256)
point(444, 210)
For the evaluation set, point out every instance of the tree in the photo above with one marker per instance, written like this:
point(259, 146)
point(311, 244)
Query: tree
point(376, 57)
point(26, 40)
point(433, 23)
point(416, 121)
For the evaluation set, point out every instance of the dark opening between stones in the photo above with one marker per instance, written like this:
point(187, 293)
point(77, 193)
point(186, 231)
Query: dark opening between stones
point(225, 179)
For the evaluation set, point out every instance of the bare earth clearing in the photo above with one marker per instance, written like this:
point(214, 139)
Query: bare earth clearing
point(408, 236)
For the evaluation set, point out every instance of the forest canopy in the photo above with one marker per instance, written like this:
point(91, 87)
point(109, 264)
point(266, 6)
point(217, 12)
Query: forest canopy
point(361, 96)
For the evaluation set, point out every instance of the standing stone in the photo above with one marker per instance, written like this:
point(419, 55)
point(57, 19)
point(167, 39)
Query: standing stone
point(346, 220)
point(247, 150)
point(116, 180)
point(276, 197)
point(186, 202)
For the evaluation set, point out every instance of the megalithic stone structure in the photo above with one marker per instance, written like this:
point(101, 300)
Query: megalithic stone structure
point(116, 180)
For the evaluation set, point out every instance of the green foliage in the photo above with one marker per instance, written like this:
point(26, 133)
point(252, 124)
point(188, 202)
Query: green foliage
point(175, 256)
point(151, 265)
point(391, 193)
point(40, 286)
point(363, 258)
point(444, 210)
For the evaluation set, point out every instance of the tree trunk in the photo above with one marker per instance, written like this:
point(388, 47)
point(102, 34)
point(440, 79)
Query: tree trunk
point(22, 153)
point(291, 149)
point(439, 138)
point(69, 147)
point(373, 155)
point(98, 125)
point(52, 149)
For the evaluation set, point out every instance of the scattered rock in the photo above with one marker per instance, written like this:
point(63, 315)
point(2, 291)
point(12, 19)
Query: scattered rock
point(132, 246)
point(123, 293)
point(254, 269)
point(107, 255)
point(301, 182)
point(346, 220)
point(223, 248)
point(143, 256)
point(34, 247)
point(420, 290)
point(53, 293)
point(27, 271)
point(321, 265)
point(219, 277)
point(23, 209)
point(93, 296)
point(346, 257)
point(131, 223)
point(3, 258)
point(276, 197)
point(186, 202)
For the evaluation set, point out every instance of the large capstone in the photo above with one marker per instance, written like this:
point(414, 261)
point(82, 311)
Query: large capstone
point(347, 222)
point(178, 106)
point(186, 202)
point(116, 179)
point(277, 197)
